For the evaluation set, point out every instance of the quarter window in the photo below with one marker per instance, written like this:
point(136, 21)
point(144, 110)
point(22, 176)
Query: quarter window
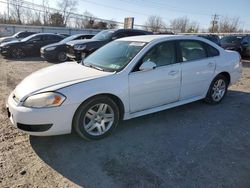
point(212, 52)
point(192, 50)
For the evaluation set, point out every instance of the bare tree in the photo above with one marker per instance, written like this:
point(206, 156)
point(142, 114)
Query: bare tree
point(67, 7)
point(16, 10)
point(184, 25)
point(89, 20)
point(46, 12)
point(112, 24)
point(155, 24)
point(229, 25)
point(179, 24)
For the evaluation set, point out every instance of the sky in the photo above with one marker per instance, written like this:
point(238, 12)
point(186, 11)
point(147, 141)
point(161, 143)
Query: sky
point(196, 10)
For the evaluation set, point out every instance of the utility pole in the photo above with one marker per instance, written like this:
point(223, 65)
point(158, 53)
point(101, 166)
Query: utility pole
point(214, 22)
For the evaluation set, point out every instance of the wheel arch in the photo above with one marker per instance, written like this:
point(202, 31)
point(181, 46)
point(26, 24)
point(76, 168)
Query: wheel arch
point(115, 98)
point(227, 75)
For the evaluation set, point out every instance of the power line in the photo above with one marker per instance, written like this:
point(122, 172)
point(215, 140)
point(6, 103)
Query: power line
point(40, 8)
point(165, 6)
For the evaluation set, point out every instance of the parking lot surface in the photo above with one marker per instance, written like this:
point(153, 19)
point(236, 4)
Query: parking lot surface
point(194, 145)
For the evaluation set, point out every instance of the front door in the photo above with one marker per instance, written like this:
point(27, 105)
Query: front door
point(159, 86)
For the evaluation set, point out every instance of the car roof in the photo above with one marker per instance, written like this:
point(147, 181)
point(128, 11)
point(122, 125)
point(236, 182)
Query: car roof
point(37, 34)
point(150, 38)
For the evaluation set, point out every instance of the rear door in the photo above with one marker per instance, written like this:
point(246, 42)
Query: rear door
point(197, 68)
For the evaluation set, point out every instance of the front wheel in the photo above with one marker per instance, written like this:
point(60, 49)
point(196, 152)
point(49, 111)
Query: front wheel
point(96, 118)
point(62, 57)
point(217, 90)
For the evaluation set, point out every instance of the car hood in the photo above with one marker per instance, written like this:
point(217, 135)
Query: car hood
point(53, 45)
point(56, 77)
point(7, 39)
point(11, 43)
point(83, 41)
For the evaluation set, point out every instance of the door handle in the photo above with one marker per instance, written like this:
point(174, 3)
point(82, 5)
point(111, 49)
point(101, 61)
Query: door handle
point(210, 64)
point(173, 72)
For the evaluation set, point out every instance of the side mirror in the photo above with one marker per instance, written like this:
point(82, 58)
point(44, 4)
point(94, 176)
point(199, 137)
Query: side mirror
point(147, 65)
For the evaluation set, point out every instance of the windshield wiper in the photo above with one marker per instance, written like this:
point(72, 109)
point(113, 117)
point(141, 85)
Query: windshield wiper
point(93, 66)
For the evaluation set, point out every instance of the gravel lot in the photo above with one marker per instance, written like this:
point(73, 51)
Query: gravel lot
point(195, 145)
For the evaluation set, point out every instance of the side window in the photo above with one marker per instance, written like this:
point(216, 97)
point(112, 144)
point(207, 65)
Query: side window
point(47, 38)
point(192, 50)
point(212, 52)
point(121, 35)
point(55, 38)
point(162, 54)
point(133, 33)
point(36, 38)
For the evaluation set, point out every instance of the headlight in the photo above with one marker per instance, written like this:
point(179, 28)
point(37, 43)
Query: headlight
point(43, 100)
point(50, 48)
point(80, 47)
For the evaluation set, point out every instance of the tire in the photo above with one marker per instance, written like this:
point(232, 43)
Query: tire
point(96, 118)
point(217, 90)
point(17, 53)
point(62, 57)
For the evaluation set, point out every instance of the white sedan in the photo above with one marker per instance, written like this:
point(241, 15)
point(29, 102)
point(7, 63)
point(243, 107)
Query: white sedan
point(127, 78)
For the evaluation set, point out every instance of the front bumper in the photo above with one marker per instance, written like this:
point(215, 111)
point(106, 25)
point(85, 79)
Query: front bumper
point(41, 121)
point(48, 55)
point(73, 54)
point(4, 51)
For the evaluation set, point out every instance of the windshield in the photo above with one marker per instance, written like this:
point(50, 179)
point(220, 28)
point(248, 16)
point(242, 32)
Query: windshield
point(104, 35)
point(16, 35)
point(28, 38)
point(70, 38)
point(115, 55)
point(231, 39)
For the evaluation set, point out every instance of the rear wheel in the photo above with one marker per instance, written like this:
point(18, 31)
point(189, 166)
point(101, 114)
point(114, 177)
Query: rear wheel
point(217, 90)
point(96, 118)
point(17, 53)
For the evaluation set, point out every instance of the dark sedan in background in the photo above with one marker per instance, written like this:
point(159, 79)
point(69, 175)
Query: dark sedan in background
point(239, 43)
point(57, 51)
point(212, 37)
point(18, 36)
point(29, 46)
point(79, 49)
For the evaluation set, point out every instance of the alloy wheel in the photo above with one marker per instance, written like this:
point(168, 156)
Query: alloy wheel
point(98, 119)
point(218, 90)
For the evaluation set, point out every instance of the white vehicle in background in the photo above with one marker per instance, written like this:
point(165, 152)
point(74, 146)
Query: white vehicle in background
point(126, 78)
point(16, 37)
